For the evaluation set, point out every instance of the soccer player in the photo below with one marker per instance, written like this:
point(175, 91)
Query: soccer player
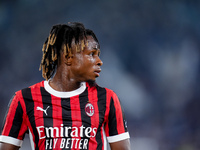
point(68, 110)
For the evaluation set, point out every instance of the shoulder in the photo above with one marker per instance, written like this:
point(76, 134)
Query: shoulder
point(108, 90)
point(105, 90)
point(28, 90)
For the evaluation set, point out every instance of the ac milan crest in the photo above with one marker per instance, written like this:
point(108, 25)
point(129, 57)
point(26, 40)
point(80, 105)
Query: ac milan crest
point(89, 109)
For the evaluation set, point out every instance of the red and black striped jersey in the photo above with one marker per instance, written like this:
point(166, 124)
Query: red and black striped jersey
point(82, 119)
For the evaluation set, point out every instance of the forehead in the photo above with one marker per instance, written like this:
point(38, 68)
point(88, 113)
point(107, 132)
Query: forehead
point(92, 43)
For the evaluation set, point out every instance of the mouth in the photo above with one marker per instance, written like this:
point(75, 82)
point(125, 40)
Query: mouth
point(97, 72)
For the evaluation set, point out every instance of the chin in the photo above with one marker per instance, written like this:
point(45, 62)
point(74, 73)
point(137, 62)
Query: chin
point(92, 82)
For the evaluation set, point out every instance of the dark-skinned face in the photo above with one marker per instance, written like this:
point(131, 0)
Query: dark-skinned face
point(86, 64)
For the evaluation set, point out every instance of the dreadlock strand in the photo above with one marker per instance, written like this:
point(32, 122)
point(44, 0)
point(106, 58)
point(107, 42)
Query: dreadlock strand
point(42, 62)
point(69, 50)
point(43, 71)
point(82, 44)
point(54, 54)
point(46, 69)
point(47, 46)
point(47, 61)
point(40, 67)
point(65, 49)
point(44, 46)
point(52, 39)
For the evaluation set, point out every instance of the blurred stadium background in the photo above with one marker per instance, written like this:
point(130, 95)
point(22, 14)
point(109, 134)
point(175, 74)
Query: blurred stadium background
point(151, 55)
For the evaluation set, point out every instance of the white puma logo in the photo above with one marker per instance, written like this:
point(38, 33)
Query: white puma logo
point(44, 110)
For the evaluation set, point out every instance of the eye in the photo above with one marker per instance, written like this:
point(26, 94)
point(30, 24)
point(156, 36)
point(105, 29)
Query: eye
point(92, 53)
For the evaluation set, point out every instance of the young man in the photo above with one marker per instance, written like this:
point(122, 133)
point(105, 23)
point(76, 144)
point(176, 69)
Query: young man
point(68, 110)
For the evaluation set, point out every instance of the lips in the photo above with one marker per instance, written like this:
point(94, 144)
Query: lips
point(97, 72)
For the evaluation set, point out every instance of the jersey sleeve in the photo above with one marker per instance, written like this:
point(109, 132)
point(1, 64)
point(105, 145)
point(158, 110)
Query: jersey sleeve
point(116, 125)
point(14, 127)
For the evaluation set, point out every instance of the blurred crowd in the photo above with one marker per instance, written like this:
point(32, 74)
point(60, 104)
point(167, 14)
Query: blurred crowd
point(151, 55)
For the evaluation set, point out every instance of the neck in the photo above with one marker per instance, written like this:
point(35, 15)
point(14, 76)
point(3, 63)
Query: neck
point(61, 82)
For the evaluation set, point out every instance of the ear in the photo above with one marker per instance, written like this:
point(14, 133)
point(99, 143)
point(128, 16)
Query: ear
point(68, 60)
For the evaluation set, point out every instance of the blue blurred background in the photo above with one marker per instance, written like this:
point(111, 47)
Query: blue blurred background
point(151, 55)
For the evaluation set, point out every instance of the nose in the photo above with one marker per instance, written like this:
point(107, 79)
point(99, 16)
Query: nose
point(99, 62)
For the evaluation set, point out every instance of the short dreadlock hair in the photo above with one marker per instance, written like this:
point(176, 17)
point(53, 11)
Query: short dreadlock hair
point(60, 38)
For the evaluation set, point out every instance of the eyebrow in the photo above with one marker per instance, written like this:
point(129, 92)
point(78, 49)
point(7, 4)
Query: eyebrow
point(97, 49)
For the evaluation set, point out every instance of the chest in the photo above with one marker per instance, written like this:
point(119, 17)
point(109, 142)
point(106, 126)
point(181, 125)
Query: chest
point(67, 113)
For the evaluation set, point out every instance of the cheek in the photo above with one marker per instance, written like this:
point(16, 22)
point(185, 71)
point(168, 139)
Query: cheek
point(84, 64)
point(79, 61)
point(90, 59)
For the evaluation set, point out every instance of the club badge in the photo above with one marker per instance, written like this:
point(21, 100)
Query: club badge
point(89, 109)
